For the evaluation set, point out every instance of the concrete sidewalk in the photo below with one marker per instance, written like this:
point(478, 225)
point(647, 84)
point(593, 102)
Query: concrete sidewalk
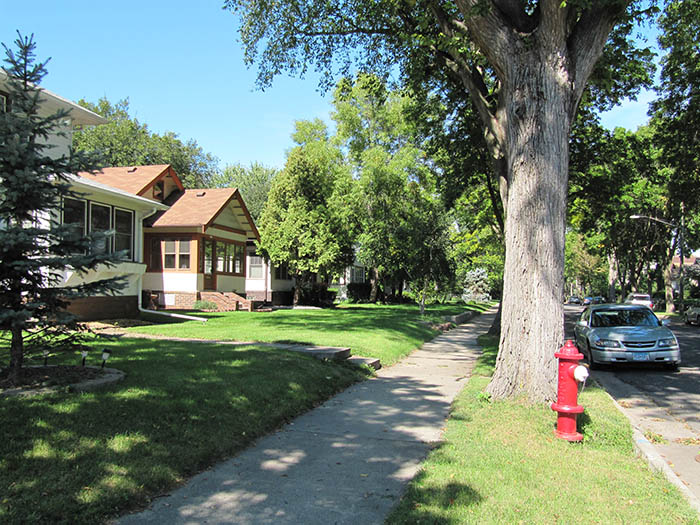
point(347, 461)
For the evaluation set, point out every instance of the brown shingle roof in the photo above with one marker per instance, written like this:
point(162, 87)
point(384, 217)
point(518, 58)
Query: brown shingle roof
point(134, 179)
point(199, 208)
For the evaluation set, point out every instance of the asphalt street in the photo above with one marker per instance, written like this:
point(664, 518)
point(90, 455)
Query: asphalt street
point(663, 405)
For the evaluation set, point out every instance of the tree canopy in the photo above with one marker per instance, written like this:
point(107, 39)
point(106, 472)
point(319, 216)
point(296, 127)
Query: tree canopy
point(524, 67)
point(124, 141)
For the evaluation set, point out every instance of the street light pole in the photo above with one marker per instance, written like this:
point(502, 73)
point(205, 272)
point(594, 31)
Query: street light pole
point(680, 241)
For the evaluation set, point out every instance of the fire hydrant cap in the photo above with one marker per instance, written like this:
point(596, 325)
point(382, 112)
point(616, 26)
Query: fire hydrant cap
point(580, 373)
point(569, 351)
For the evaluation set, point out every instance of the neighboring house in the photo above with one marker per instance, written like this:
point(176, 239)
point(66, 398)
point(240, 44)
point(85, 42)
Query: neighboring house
point(357, 273)
point(101, 208)
point(196, 250)
point(98, 207)
point(265, 282)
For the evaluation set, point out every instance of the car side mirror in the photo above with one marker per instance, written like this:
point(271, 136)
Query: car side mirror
point(665, 322)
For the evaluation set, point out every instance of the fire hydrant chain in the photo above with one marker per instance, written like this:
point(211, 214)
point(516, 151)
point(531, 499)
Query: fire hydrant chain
point(570, 374)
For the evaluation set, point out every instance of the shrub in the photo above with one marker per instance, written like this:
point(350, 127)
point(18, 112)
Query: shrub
point(359, 292)
point(205, 305)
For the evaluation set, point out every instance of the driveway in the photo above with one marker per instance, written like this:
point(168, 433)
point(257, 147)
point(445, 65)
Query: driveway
point(663, 405)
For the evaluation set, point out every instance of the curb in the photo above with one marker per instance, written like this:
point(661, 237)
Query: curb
point(647, 451)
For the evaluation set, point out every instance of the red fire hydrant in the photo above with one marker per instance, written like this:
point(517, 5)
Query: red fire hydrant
point(570, 374)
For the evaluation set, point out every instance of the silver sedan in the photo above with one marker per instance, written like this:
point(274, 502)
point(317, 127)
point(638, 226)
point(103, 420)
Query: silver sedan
point(625, 333)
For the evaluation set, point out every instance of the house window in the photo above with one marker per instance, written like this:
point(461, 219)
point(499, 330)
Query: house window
point(101, 222)
point(183, 259)
point(4, 106)
point(124, 232)
point(155, 260)
point(74, 215)
point(176, 254)
point(282, 272)
point(238, 259)
point(255, 267)
point(358, 274)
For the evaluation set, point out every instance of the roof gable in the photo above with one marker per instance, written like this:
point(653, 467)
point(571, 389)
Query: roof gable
point(133, 179)
point(200, 208)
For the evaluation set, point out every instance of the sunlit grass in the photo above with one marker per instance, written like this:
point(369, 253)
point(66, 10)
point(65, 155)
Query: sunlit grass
point(500, 463)
point(387, 332)
point(85, 458)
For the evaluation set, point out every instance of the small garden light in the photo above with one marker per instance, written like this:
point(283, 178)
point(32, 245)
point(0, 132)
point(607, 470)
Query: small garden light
point(106, 352)
point(84, 353)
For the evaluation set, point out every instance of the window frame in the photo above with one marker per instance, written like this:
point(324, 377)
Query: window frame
point(251, 265)
point(131, 234)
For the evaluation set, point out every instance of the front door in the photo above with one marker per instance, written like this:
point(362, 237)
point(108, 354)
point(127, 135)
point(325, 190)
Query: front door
point(209, 265)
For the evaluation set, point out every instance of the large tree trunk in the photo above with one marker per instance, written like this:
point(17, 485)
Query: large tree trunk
point(532, 323)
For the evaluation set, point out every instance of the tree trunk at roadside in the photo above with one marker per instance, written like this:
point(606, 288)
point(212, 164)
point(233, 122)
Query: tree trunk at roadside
point(532, 328)
point(668, 288)
point(612, 278)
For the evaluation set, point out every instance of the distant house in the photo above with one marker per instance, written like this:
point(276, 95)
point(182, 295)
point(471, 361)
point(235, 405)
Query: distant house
point(196, 249)
point(190, 244)
point(265, 282)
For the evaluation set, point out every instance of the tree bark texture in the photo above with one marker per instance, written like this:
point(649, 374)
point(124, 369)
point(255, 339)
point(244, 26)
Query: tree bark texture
point(537, 127)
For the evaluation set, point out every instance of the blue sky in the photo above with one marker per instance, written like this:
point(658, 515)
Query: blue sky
point(181, 66)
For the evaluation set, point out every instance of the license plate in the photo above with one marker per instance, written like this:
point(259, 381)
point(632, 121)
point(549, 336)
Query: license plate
point(640, 356)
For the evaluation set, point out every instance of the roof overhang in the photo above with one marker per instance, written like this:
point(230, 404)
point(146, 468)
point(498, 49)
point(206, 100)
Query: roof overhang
point(81, 184)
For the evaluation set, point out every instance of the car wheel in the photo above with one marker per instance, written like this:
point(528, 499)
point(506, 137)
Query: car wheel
point(591, 363)
point(671, 367)
point(687, 320)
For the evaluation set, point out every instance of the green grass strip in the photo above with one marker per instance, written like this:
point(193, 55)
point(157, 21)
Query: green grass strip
point(500, 463)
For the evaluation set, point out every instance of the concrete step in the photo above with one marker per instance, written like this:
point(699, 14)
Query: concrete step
point(369, 361)
point(323, 352)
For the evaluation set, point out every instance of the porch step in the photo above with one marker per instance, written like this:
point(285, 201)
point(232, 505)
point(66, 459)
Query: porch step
point(226, 301)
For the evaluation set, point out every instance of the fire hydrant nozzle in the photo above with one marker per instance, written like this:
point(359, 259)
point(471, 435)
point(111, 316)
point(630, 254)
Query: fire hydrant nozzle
point(570, 374)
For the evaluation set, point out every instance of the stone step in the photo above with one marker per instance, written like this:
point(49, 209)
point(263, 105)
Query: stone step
point(323, 352)
point(372, 362)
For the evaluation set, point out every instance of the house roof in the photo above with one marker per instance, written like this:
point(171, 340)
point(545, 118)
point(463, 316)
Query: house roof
point(51, 103)
point(200, 208)
point(132, 179)
point(81, 183)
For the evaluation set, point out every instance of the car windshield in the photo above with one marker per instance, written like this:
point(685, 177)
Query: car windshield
point(622, 317)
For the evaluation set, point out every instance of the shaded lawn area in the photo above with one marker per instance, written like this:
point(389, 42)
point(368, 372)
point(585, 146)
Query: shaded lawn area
point(500, 463)
point(84, 458)
point(387, 332)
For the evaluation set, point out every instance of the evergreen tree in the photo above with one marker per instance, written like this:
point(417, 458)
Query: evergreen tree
point(34, 247)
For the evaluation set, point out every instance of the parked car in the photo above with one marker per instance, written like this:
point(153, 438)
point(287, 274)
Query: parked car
point(640, 298)
point(692, 315)
point(574, 300)
point(597, 299)
point(625, 333)
point(587, 300)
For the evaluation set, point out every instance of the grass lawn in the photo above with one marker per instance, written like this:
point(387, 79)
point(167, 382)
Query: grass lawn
point(500, 463)
point(387, 332)
point(84, 458)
